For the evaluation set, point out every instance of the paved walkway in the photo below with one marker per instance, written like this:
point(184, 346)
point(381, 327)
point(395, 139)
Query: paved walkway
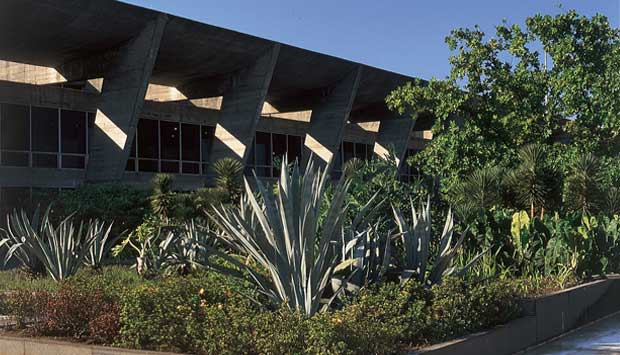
point(602, 337)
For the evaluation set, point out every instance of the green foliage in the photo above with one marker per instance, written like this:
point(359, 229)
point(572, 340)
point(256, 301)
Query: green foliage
point(124, 205)
point(535, 182)
point(380, 177)
point(477, 192)
point(195, 315)
point(162, 198)
point(458, 309)
point(229, 178)
point(167, 249)
point(500, 95)
point(417, 239)
point(60, 250)
point(583, 185)
point(297, 249)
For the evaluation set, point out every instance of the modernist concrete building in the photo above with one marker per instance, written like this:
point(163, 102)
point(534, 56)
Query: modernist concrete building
point(101, 91)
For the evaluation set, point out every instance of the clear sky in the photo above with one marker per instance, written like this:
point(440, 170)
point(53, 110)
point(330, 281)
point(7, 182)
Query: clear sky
point(405, 36)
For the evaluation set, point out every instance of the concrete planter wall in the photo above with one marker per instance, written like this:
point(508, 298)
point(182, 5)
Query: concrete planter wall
point(544, 318)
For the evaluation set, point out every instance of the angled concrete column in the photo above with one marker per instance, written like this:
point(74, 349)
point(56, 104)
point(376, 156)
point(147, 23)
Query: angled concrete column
point(394, 135)
point(241, 108)
point(124, 86)
point(328, 120)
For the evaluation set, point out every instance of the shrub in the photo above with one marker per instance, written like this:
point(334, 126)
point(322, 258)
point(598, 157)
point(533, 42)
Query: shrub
point(67, 312)
point(380, 320)
point(197, 315)
point(458, 309)
point(124, 205)
point(70, 311)
point(25, 307)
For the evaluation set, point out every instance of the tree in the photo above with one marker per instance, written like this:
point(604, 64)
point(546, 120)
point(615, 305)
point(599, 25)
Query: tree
point(500, 95)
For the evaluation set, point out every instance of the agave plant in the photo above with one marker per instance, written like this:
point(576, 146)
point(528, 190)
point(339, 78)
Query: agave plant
point(102, 243)
point(185, 249)
point(13, 240)
point(417, 239)
point(296, 246)
point(366, 258)
point(61, 250)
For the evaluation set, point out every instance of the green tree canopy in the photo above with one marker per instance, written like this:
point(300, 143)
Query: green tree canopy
point(502, 93)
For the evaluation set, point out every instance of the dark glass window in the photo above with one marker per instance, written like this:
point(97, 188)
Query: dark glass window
point(44, 130)
point(370, 151)
point(279, 145)
point(170, 167)
point(148, 143)
point(14, 127)
point(14, 159)
point(73, 132)
point(347, 151)
point(44, 160)
point(191, 142)
point(73, 162)
point(150, 166)
point(294, 148)
point(208, 134)
point(360, 151)
point(169, 135)
point(191, 168)
point(263, 148)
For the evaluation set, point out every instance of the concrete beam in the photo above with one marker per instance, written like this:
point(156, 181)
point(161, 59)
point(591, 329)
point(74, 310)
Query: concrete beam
point(241, 107)
point(394, 136)
point(122, 96)
point(328, 120)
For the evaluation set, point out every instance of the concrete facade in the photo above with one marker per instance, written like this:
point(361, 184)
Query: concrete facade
point(329, 118)
point(123, 64)
point(241, 107)
point(124, 87)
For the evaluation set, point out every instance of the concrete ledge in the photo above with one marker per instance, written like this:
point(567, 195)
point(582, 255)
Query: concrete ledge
point(544, 318)
point(36, 346)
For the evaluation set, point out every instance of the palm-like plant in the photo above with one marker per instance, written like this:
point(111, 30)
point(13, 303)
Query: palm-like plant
point(535, 182)
point(297, 249)
point(417, 240)
point(228, 177)
point(162, 199)
point(583, 184)
point(478, 191)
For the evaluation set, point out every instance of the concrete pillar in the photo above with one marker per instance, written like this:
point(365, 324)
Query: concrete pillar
point(241, 108)
point(328, 120)
point(393, 136)
point(124, 86)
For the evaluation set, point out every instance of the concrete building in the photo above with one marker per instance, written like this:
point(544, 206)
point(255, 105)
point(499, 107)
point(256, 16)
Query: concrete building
point(98, 91)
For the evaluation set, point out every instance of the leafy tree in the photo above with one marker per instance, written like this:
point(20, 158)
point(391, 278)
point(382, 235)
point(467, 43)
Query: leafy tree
point(502, 94)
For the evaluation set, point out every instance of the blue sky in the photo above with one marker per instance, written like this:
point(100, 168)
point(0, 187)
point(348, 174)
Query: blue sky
point(405, 36)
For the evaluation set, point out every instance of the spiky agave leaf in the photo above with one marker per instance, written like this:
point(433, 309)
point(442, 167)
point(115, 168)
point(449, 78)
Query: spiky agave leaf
point(417, 238)
point(284, 236)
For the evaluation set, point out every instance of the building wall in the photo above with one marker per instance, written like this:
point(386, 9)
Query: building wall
point(49, 169)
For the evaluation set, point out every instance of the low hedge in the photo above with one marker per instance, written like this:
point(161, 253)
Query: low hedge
point(213, 314)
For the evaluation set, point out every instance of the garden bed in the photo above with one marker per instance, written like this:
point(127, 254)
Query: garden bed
point(544, 318)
